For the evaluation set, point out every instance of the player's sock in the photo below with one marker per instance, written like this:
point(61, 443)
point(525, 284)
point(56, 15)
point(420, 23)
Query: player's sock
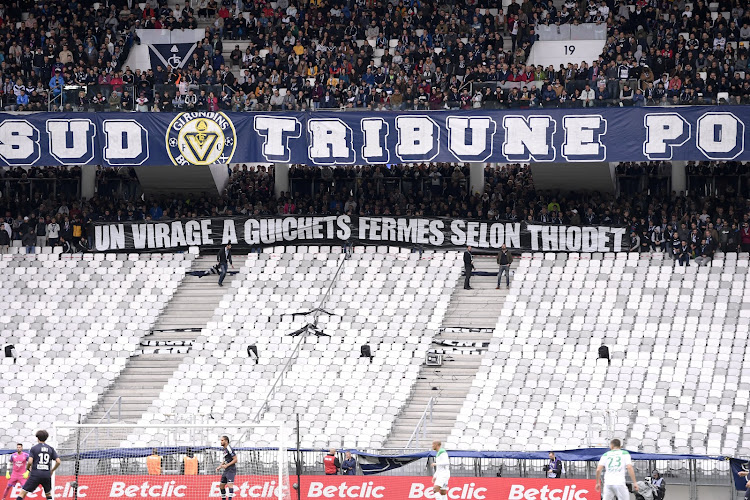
point(223, 493)
point(231, 493)
point(443, 497)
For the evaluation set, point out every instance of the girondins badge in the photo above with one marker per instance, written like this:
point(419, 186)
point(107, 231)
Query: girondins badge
point(201, 138)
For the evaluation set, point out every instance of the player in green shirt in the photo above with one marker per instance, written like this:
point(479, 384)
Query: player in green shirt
point(616, 461)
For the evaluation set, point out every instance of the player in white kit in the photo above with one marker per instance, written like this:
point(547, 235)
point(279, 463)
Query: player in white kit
point(442, 467)
point(616, 461)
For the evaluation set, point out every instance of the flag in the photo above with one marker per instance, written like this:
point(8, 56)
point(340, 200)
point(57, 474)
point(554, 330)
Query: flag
point(171, 54)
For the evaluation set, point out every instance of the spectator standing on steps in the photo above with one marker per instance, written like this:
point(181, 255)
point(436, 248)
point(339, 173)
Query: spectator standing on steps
point(224, 258)
point(504, 259)
point(5, 233)
point(53, 232)
point(468, 268)
point(28, 240)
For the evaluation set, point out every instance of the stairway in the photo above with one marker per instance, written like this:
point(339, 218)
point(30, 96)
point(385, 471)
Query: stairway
point(161, 351)
point(480, 307)
point(467, 329)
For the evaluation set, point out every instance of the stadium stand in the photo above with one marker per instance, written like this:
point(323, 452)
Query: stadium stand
point(675, 371)
point(675, 333)
point(338, 395)
point(396, 55)
point(403, 189)
point(75, 322)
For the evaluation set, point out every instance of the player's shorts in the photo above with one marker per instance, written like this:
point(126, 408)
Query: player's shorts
point(615, 492)
point(14, 480)
point(228, 476)
point(441, 480)
point(33, 482)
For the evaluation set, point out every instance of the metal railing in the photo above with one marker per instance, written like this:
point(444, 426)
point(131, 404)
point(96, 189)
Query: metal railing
point(698, 472)
point(108, 416)
point(305, 331)
point(11, 187)
point(421, 427)
point(69, 99)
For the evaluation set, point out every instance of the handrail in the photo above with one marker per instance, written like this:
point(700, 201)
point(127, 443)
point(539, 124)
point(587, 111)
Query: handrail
point(108, 416)
point(293, 356)
point(421, 424)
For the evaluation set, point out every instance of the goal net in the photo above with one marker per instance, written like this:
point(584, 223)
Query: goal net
point(171, 461)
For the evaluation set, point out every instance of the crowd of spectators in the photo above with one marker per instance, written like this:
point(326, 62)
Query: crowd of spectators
point(710, 216)
point(446, 54)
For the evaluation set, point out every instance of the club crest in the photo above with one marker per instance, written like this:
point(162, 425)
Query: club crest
point(202, 138)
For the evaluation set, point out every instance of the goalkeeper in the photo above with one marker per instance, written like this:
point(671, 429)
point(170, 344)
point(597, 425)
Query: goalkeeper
point(17, 473)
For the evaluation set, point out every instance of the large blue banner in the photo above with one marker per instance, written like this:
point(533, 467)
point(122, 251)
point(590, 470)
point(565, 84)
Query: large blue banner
point(328, 138)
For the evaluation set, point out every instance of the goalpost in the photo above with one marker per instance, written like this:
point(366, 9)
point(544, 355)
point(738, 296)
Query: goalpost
point(165, 461)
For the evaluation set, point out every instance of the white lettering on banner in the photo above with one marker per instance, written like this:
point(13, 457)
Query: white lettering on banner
point(664, 132)
point(71, 142)
point(414, 231)
point(126, 142)
point(468, 491)
point(178, 235)
point(229, 235)
point(365, 490)
point(335, 229)
point(167, 489)
point(485, 235)
point(19, 142)
point(193, 233)
point(583, 138)
point(529, 138)
point(161, 236)
point(277, 132)
point(270, 231)
point(375, 143)
point(720, 136)
point(418, 138)
point(110, 237)
point(59, 491)
point(576, 239)
point(139, 236)
point(481, 131)
point(519, 492)
point(330, 142)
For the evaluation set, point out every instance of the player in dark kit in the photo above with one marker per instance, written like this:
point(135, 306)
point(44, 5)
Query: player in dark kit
point(41, 466)
point(229, 466)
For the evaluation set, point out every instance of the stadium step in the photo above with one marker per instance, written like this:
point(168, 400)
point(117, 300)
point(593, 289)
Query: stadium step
point(479, 308)
point(468, 327)
point(161, 351)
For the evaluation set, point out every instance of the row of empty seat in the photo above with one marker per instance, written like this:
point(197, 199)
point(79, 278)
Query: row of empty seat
point(74, 323)
point(677, 337)
point(392, 302)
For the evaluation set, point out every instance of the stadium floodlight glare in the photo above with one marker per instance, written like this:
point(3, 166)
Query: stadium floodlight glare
point(170, 461)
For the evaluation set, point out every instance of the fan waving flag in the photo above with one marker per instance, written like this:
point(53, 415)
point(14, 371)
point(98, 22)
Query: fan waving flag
point(175, 55)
